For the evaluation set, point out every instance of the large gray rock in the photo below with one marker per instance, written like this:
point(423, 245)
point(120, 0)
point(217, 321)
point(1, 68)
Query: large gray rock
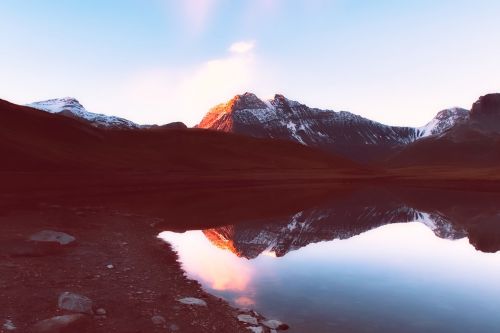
point(75, 303)
point(58, 324)
point(52, 236)
point(193, 301)
point(247, 319)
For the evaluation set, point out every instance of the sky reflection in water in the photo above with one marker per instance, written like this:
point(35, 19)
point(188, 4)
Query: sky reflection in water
point(398, 277)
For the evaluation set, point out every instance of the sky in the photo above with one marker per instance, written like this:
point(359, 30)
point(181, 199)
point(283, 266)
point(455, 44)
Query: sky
point(158, 61)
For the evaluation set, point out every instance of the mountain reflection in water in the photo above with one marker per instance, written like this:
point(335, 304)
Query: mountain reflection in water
point(369, 261)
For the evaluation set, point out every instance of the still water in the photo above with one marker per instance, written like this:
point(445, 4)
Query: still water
point(399, 277)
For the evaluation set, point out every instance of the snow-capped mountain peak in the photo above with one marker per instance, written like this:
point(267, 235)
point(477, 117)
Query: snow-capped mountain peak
point(443, 121)
point(247, 101)
point(71, 107)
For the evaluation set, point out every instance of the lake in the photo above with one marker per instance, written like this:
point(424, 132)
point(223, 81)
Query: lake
point(358, 265)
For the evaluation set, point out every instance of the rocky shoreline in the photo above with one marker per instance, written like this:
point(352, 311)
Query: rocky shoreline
point(67, 269)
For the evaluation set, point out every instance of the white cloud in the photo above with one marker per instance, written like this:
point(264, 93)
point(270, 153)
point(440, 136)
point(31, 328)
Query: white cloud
point(242, 47)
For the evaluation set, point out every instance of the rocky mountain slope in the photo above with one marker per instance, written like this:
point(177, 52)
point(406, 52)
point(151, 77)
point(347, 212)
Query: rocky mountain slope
point(70, 107)
point(473, 142)
point(341, 132)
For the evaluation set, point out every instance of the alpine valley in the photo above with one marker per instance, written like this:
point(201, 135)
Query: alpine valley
point(250, 139)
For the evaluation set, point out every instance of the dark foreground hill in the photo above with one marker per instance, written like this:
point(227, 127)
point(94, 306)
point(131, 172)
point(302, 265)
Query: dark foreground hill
point(32, 141)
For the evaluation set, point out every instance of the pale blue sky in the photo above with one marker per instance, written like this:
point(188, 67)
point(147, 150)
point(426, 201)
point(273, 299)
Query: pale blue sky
point(155, 61)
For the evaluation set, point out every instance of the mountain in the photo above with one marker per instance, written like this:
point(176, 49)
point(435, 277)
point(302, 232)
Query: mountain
point(474, 141)
point(70, 107)
point(341, 132)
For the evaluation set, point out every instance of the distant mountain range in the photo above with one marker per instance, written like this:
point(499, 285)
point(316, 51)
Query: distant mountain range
point(343, 133)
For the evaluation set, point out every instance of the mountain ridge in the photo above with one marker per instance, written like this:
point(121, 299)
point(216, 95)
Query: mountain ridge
point(340, 132)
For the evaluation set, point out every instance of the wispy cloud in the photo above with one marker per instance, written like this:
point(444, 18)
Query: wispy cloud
point(242, 47)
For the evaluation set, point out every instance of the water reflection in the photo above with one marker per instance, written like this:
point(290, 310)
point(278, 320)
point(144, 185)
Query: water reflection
point(398, 275)
point(370, 260)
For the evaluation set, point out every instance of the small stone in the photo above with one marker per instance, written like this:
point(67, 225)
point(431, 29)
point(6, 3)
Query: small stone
point(193, 301)
point(75, 303)
point(158, 320)
point(101, 317)
point(52, 236)
point(56, 324)
point(100, 311)
point(110, 266)
point(247, 319)
point(9, 325)
point(275, 324)
point(173, 327)
point(256, 329)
